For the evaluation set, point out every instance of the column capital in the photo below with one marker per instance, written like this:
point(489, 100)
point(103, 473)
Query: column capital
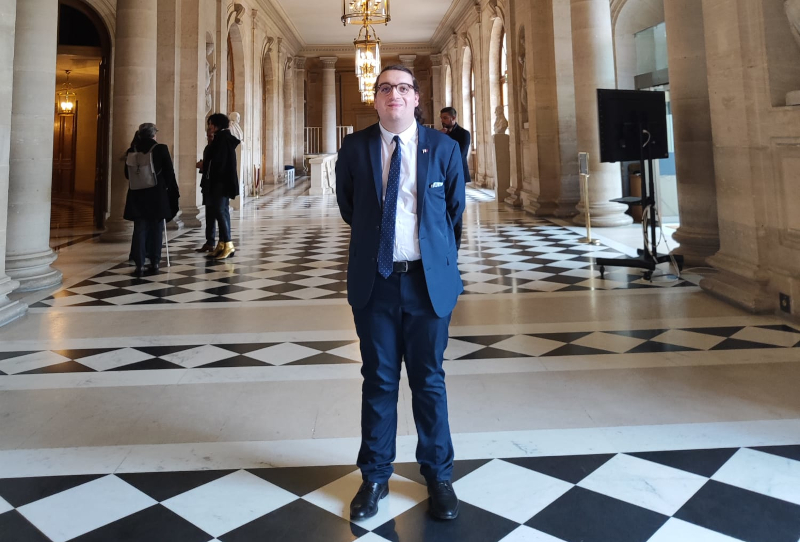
point(300, 63)
point(436, 60)
point(328, 62)
point(408, 61)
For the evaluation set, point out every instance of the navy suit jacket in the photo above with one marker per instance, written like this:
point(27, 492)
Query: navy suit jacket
point(440, 202)
point(462, 136)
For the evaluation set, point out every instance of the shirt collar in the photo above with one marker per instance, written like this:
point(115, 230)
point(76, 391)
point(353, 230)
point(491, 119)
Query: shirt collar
point(405, 136)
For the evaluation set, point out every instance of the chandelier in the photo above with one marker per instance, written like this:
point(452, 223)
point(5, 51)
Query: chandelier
point(368, 53)
point(365, 12)
point(366, 86)
point(66, 97)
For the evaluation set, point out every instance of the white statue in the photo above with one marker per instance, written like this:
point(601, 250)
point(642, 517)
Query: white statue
point(792, 8)
point(210, 71)
point(236, 129)
point(500, 121)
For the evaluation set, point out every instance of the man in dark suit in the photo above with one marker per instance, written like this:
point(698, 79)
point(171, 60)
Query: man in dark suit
point(400, 186)
point(450, 126)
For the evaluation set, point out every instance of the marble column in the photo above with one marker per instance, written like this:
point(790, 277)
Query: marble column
point(28, 254)
point(437, 87)
point(9, 310)
point(288, 114)
point(299, 111)
point(134, 102)
point(698, 234)
point(593, 60)
point(329, 104)
point(408, 61)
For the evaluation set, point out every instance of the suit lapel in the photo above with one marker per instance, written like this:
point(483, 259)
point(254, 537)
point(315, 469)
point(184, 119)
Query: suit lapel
point(375, 160)
point(423, 155)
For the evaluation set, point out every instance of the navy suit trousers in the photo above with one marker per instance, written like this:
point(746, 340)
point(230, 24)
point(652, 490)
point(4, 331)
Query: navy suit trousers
point(399, 323)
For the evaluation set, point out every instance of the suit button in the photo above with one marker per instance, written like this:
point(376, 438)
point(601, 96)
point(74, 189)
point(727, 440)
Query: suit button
point(377, 228)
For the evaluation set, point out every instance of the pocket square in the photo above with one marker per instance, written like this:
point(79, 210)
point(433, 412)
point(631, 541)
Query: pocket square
point(437, 185)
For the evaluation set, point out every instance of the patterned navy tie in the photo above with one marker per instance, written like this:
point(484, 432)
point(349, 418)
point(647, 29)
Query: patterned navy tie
point(386, 246)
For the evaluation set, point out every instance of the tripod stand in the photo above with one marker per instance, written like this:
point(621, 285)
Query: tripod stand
point(648, 258)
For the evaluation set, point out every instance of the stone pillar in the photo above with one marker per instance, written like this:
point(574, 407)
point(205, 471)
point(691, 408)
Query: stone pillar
point(437, 89)
point(9, 310)
point(329, 104)
point(288, 113)
point(408, 61)
point(593, 60)
point(28, 254)
point(694, 146)
point(135, 62)
point(743, 277)
point(299, 110)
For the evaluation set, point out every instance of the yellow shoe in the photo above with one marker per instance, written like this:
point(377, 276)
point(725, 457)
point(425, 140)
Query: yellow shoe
point(227, 251)
point(217, 251)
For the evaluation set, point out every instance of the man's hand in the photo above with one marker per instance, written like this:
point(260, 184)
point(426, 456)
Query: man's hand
point(199, 164)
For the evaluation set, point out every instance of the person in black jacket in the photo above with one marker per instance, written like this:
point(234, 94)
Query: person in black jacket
point(450, 126)
point(211, 223)
point(148, 207)
point(222, 181)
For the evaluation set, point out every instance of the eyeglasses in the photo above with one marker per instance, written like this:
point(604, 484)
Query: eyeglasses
point(384, 89)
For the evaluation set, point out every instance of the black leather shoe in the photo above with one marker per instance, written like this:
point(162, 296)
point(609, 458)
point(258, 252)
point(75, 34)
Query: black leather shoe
point(444, 503)
point(153, 270)
point(138, 273)
point(365, 504)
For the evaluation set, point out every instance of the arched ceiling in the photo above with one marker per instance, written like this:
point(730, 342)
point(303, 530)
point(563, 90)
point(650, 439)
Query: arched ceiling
point(319, 21)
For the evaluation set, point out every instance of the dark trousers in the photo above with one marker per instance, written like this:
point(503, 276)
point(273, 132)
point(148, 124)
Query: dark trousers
point(147, 237)
point(218, 211)
point(399, 323)
point(211, 226)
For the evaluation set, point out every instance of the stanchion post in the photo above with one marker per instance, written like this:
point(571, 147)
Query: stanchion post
point(583, 170)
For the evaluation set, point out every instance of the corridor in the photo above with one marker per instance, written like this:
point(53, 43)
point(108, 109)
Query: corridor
point(221, 400)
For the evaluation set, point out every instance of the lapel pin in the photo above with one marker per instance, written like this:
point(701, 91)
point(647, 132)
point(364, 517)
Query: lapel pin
point(424, 151)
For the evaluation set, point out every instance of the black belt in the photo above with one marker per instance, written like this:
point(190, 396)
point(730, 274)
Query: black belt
point(405, 267)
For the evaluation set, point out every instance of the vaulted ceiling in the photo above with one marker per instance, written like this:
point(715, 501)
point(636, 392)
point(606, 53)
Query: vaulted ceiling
point(319, 21)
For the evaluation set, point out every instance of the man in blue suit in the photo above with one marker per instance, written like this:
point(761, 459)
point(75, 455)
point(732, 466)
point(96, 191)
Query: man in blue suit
point(400, 186)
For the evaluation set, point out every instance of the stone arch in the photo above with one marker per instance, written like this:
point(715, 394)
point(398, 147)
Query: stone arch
point(98, 148)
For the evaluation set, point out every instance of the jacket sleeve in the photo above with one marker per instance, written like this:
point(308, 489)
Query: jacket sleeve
point(455, 197)
point(344, 183)
point(466, 139)
point(217, 163)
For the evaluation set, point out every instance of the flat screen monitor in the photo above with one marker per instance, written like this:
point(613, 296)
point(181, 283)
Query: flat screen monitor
point(621, 114)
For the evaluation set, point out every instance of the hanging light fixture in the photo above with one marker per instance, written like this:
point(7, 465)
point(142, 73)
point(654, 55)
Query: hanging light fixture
point(365, 11)
point(368, 52)
point(366, 86)
point(66, 97)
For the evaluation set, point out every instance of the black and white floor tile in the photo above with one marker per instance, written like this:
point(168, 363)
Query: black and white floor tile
point(700, 495)
point(460, 347)
point(280, 262)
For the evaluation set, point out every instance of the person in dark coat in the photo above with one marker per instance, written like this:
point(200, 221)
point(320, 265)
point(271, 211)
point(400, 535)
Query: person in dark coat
point(211, 222)
point(148, 207)
point(222, 181)
point(450, 126)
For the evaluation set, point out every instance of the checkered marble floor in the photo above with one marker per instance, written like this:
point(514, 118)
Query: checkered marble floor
point(301, 262)
point(707, 495)
point(460, 347)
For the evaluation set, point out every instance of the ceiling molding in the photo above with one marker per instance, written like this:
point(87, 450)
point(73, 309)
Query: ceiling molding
point(460, 11)
point(386, 49)
point(275, 14)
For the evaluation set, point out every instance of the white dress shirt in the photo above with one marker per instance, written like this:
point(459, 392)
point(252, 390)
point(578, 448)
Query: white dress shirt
point(406, 239)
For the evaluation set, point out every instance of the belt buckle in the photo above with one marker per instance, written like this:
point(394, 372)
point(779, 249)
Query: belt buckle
point(403, 267)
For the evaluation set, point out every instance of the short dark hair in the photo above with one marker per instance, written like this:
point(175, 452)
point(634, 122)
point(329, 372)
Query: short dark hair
point(449, 111)
point(220, 120)
point(400, 68)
